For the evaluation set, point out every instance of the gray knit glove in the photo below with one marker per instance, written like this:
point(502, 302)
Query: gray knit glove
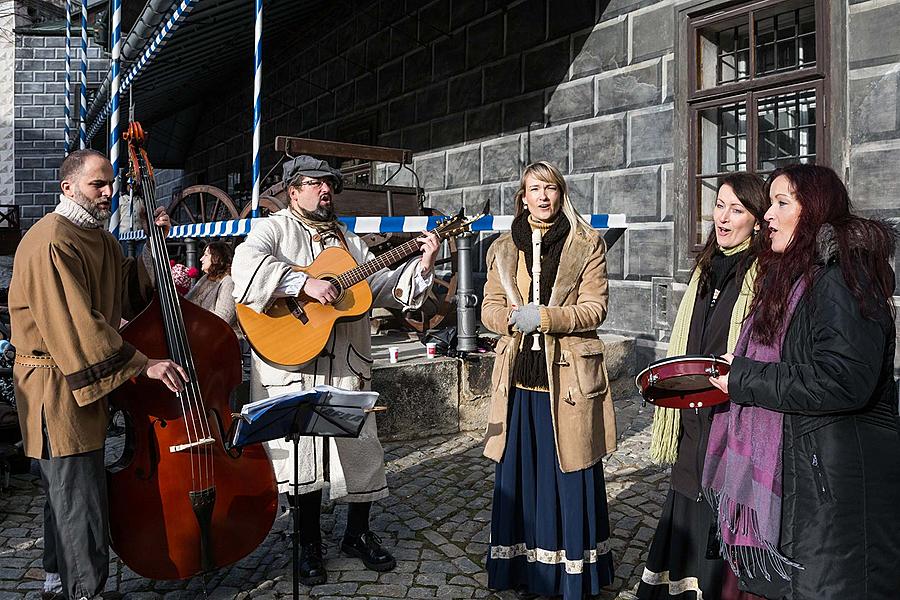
point(526, 318)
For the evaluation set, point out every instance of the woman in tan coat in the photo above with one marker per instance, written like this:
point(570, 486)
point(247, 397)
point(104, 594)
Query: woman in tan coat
point(551, 417)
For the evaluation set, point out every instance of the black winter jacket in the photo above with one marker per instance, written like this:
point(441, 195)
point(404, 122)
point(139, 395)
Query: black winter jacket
point(841, 503)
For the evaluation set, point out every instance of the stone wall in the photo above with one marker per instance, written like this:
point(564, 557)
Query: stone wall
point(7, 76)
point(478, 90)
point(40, 117)
point(874, 112)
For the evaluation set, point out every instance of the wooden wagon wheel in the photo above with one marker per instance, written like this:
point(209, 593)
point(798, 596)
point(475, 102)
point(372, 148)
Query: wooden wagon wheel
point(202, 204)
point(271, 200)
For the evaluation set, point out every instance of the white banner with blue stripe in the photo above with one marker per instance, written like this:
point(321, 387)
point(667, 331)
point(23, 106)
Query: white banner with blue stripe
point(239, 227)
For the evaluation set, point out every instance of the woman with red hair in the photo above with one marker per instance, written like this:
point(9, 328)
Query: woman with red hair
point(802, 465)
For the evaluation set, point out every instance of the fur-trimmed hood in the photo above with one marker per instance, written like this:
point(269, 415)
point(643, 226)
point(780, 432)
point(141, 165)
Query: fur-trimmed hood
point(861, 233)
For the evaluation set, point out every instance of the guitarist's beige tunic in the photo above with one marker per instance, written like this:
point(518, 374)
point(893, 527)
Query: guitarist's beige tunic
point(356, 466)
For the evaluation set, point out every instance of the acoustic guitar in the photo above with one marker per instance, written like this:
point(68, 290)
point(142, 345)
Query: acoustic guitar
point(294, 330)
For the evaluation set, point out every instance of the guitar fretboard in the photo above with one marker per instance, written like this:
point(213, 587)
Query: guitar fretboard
point(357, 274)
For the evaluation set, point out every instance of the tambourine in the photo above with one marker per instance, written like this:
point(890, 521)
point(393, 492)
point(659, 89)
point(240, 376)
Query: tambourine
point(682, 381)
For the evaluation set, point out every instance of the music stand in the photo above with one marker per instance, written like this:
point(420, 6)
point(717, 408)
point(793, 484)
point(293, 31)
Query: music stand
point(318, 412)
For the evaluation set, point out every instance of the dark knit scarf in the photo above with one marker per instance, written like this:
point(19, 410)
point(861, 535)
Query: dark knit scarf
point(530, 368)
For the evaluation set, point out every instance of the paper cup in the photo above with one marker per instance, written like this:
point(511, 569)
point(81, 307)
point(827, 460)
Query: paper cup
point(394, 354)
point(430, 349)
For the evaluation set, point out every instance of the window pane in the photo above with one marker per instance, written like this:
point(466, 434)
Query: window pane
point(787, 130)
point(724, 53)
point(723, 139)
point(786, 41)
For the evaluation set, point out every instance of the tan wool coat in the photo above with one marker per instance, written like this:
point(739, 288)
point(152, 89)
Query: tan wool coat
point(65, 305)
point(581, 402)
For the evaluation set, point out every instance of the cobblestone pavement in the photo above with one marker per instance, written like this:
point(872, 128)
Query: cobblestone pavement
point(436, 521)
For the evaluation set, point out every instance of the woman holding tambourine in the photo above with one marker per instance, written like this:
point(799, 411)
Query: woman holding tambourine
point(551, 418)
point(684, 555)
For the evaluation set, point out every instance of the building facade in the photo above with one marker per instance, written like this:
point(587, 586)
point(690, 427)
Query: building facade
point(641, 103)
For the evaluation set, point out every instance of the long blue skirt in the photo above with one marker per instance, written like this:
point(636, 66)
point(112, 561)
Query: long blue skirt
point(549, 529)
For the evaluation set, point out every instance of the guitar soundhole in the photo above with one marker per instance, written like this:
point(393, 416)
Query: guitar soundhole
point(337, 285)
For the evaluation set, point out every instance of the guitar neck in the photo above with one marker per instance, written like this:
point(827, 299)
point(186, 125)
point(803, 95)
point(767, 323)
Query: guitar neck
point(357, 274)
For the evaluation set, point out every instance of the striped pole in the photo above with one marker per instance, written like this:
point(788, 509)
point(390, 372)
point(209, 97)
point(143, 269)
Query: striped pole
point(150, 51)
point(82, 126)
point(67, 130)
point(257, 87)
point(114, 119)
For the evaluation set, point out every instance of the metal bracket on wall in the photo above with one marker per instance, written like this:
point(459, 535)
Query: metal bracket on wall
point(660, 302)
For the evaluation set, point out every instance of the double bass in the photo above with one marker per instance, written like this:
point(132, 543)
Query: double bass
point(181, 501)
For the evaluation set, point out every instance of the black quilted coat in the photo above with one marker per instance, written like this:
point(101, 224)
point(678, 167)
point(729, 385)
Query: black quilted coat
point(841, 506)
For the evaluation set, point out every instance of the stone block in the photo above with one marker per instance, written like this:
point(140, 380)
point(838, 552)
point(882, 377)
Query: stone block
point(431, 102)
point(390, 80)
point(668, 77)
point(600, 49)
point(581, 192)
point(484, 121)
point(648, 252)
point(650, 136)
point(525, 25)
point(474, 198)
point(448, 131)
point(550, 144)
point(874, 35)
point(344, 99)
point(431, 171)
point(874, 107)
point(615, 260)
point(652, 33)
point(366, 88)
point(667, 201)
point(474, 397)
point(403, 35)
point(378, 49)
point(402, 389)
point(874, 185)
point(446, 201)
point(598, 144)
point(619, 356)
point(434, 20)
point(417, 138)
point(614, 8)
point(523, 111)
point(402, 111)
point(503, 79)
point(463, 167)
point(417, 69)
point(500, 161)
point(463, 12)
point(569, 16)
point(632, 88)
point(507, 199)
point(465, 91)
point(485, 40)
point(571, 101)
point(634, 193)
point(546, 65)
point(629, 307)
point(449, 56)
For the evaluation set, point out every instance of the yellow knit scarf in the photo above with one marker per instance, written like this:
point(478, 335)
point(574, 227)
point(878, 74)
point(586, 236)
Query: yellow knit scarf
point(667, 421)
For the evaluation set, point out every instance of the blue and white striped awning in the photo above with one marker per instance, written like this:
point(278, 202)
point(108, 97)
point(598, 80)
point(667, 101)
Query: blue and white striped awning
point(239, 227)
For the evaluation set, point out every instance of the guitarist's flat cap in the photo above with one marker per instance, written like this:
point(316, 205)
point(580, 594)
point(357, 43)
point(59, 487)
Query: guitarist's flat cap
point(312, 167)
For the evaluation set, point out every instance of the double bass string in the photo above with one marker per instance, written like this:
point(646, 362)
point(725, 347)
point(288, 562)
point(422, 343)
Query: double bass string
point(179, 348)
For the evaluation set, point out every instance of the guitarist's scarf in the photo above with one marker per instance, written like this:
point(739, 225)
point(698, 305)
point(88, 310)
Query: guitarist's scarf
point(325, 227)
point(530, 368)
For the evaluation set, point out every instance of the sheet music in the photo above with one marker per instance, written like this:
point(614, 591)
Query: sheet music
point(333, 396)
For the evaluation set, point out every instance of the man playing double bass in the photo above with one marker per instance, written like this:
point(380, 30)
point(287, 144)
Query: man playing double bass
point(70, 289)
point(353, 468)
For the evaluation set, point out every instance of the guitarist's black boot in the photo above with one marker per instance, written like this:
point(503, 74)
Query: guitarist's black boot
point(360, 542)
point(312, 565)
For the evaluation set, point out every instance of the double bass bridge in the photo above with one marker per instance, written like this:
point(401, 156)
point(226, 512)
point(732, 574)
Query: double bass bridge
point(188, 446)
